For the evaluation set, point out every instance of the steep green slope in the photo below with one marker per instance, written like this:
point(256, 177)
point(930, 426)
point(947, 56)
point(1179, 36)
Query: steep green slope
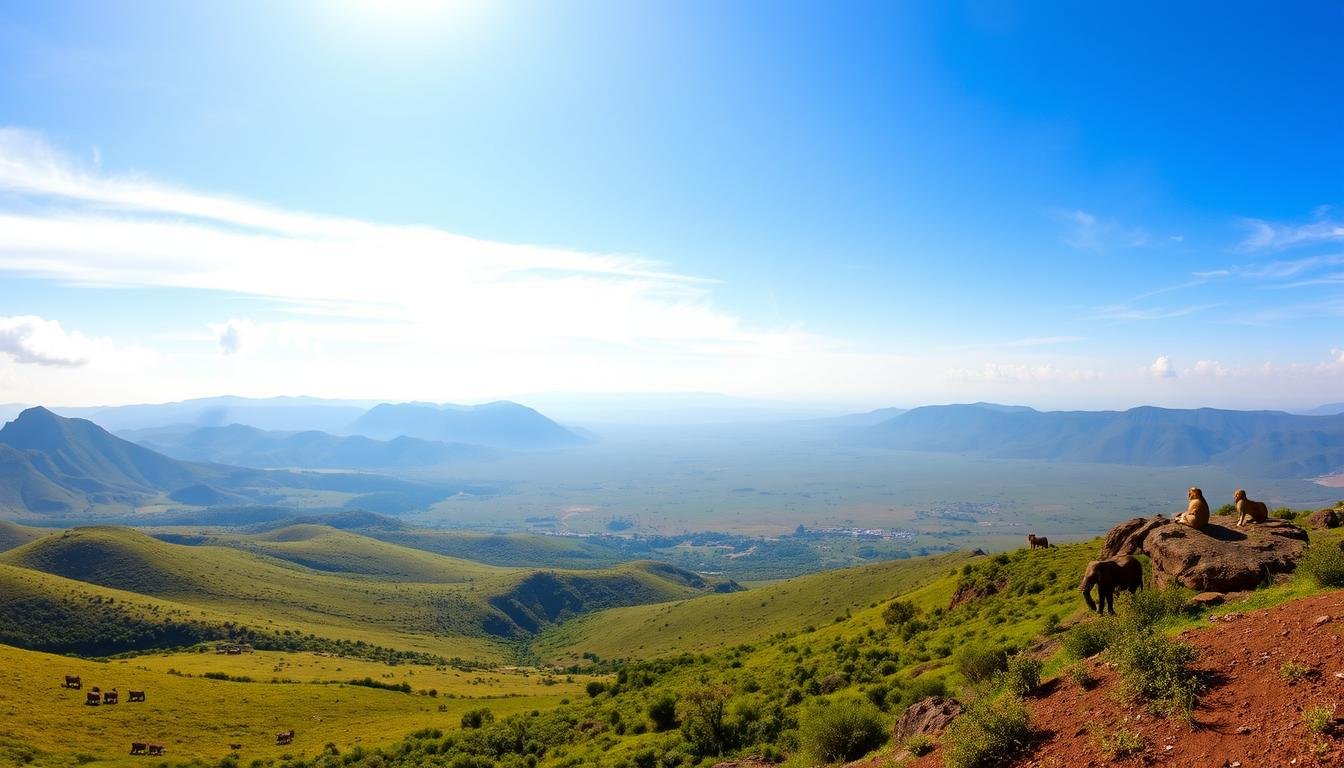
point(716, 620)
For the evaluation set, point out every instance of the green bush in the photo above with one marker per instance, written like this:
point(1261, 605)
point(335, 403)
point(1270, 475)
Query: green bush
point(841, 731)
point(1149, 607)
point(1227, 509)
point(1081, 676)
point(1090, 637)
point(978, 663)
point(899, 612)
point(595, 688)
point(1022, 676)
point(1284, 513)
point(475, 718)
point(988, 733)
point(1122, 743)
point(1157, 670)
point(663, 713)
point(918, 745)
point(1324, 563)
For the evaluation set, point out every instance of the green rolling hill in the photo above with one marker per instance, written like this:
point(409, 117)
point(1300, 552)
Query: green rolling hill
point(13, 534)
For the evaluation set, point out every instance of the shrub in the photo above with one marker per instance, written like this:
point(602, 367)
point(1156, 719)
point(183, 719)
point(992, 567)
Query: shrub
point(987, 733)
point(475, 718)
point(899, 612)
point(703, 723)
point(1318, 719)
point(1090, 637)
point(1324, 563)
point(663, 713)
point(1156, 669)
point(1227, 509)
point(978, 663)
point(1122, 743)
point(1081, 676)
point(1022, 676)
point(918, 745)
point(842, 731)
point(1284, 513)
point(1293, 671)
point(1149, 607)
point(595, 688)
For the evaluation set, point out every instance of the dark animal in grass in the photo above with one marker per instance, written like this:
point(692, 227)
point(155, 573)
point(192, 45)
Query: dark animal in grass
point(1035, 541)
point(92, 699)
point(156, 749)
point(135, 695)
point(1110, 576)
point(284, 737)
point(72, 681)
point(110, 697)
point(235, 747)
point(1254, 511)
point(138, 747)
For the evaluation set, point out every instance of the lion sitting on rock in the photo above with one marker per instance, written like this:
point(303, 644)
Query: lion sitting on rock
point(1254, 511)
point(1196, 515)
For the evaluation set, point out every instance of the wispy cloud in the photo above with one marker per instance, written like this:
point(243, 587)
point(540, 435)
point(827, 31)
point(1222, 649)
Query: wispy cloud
point(1276, 235)
point(1089, 232)
point(1129, 313)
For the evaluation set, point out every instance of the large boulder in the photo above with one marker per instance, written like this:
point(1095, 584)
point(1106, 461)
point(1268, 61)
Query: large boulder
point(1323, 518)
point(928, 716)
point(1216, 559)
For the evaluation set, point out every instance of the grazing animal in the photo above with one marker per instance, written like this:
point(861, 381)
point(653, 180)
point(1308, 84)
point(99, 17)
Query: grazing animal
point(138, 747)
point(1037, 541)
point(1255, 511)
point(1196, 514)
point(110, 697)
point(72, 681)
point(1108, 576)
point(93, 699)
point(235, 747)
point(135, 695)
point(156, 749)
point(284, 737)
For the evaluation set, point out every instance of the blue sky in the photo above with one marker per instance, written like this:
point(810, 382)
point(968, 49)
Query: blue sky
point(859, 204)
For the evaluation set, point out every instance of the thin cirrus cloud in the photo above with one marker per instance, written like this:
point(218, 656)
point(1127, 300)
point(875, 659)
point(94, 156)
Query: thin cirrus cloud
point(93, 228)
point(1275, 235)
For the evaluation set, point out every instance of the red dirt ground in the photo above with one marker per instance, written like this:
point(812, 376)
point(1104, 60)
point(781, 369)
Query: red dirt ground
point(1250, 716)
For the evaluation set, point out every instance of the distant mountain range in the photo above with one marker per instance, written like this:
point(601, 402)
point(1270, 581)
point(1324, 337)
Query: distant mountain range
point(53, 466)
point(500, 425)
point(1268, 443)
point(246, 446)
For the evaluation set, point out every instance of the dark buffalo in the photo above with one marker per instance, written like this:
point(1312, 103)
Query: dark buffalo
point(110, 697)
point(156, 749)
point(138, 747)
point(72, 681)
point(92, 699)
point(284, 737)
point(135, 695)
point(1109, 576)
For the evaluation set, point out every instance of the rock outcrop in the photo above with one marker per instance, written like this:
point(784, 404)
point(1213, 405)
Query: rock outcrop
point(927, 716)
point(1323, 518)
point(1216, 559)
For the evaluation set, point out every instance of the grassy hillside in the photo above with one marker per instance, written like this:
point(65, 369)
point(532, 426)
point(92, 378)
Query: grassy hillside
point(718, 620)
point(48, 726)
point(13, 534)
point(525, 550)
point(404, 598)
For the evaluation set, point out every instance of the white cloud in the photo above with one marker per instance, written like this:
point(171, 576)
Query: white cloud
point(1162, 368)
point(1020, 372)
point(1274, 235)
point(235, 335)
point(29, 339)
point(1089, 233)
point(1208, 368)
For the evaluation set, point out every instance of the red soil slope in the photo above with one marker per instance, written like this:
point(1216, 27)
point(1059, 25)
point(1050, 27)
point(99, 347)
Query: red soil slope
point(1250, 716)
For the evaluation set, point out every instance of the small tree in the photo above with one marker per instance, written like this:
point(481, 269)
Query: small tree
point(475, 718)
point(899, 612)
point(663, 713)
point(843, 731)
point(702, 718)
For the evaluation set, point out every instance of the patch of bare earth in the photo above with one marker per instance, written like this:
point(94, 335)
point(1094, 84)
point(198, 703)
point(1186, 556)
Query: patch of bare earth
point(1252, 714)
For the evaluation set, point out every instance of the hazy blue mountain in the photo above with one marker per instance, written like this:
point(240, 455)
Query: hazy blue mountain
point(1270, 442)
point(56, 466)
point(1330, 409)
point(247, 446)
point(280, 413)
point(500, 424)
